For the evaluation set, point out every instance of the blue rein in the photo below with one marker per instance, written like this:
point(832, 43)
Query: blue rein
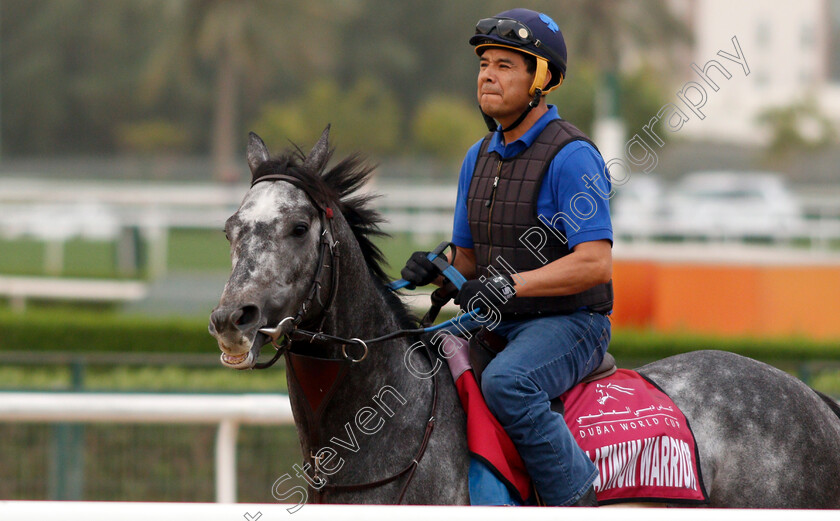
point(454, 276)
point(436, 258)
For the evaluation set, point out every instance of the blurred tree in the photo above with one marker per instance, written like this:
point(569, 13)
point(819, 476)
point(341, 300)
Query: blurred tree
point(612, 36)
point(446, 127)
point(416, 48)
point(641, 95)
point(152, 136)
point(67, 73)
point(798, 127)
point(238, 41)
point(366, 117)
point(76, 76)
point(575, 99)
point(606, 32)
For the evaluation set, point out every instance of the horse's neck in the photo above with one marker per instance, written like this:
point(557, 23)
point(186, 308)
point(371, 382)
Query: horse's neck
point(377, 414)
point(360, 309)
point(381, 384)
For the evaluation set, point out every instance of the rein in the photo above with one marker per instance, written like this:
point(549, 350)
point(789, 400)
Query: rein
point(326, 339)
point(336, 368)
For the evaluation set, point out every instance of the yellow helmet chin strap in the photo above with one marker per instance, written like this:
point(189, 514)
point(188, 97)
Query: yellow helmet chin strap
point(540, 76)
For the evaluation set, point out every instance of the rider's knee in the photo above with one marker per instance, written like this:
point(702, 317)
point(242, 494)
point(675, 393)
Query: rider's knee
point(504, 392)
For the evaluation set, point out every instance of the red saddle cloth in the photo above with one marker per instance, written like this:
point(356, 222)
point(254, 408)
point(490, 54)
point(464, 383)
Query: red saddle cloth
point(488, 441)
point(637, 437)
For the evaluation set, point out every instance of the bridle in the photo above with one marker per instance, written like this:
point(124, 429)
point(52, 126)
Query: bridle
point(299, 364)
point(327, 250)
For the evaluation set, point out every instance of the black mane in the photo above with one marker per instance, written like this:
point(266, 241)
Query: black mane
point(339, 185)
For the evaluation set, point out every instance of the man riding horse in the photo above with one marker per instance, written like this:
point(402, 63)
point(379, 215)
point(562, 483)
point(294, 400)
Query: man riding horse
point(533, 234)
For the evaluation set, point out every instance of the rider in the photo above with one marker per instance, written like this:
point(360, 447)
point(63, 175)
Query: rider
point(533, 234)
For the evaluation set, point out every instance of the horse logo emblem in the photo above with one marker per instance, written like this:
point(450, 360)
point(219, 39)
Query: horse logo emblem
point(604, 391)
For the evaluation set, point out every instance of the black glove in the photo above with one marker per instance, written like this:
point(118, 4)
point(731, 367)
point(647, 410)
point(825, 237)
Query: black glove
point(498, 289)
point(419, 270)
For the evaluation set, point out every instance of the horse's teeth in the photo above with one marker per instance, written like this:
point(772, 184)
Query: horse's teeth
point(233, 359)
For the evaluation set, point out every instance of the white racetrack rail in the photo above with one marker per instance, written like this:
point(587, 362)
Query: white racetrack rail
point(108, 511)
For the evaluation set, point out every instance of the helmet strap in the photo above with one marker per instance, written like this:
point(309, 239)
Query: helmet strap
point(539, 76)
point(491, 123)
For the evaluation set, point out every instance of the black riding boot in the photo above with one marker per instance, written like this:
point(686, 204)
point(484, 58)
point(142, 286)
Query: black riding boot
point(588, 499)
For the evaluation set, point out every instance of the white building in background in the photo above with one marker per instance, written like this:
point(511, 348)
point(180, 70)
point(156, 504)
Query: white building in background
point(792, 50)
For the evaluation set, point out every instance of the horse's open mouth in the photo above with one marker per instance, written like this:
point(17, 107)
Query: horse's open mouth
point(248, 359)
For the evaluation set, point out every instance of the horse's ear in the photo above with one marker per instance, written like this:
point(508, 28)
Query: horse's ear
point(257, 152)
point(320, 153)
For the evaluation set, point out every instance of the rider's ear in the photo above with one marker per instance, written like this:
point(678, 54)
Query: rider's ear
point(547, 78)
point(257, 152)
point(320, 153)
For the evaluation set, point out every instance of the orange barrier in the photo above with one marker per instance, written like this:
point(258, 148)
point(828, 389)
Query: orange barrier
point(728, 299)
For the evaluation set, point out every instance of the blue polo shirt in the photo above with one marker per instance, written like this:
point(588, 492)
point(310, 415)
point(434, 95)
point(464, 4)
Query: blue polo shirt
point(574, 184)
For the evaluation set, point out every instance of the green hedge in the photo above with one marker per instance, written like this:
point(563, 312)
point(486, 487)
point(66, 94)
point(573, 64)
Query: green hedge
point(648, 344)
point(90, 332)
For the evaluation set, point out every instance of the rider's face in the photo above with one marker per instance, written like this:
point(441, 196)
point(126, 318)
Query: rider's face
point(503, 84)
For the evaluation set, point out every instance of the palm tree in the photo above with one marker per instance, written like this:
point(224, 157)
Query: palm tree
point(66, 72)
point(241, 43)
point(611, 32)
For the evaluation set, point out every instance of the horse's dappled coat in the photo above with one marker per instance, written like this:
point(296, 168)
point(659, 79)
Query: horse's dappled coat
point(765, 439)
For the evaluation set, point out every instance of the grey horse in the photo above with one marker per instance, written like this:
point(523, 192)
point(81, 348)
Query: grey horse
point(371, 431)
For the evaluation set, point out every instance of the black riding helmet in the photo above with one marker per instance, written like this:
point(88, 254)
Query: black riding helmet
point(528, 32)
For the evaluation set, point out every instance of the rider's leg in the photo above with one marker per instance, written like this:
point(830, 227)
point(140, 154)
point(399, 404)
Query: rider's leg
point(544, 358)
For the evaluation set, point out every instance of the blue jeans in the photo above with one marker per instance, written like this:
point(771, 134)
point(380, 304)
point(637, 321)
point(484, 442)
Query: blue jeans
point(544, 358)
point(486, 489)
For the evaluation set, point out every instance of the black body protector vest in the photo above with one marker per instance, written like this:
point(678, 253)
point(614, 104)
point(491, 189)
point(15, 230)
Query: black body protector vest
point(502, 211)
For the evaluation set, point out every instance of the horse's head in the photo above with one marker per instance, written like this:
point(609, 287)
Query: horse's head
point(277, 237)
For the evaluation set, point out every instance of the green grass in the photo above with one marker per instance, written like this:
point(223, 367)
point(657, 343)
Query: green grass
point(186, 250)
point(82, 258)
point(72, 329)
point(25, 256)
point(651, 344)
point(198, 249)
point(91, 329)
point(827, 382)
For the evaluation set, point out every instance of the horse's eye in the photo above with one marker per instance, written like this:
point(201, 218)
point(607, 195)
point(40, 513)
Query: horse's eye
point(300, 230)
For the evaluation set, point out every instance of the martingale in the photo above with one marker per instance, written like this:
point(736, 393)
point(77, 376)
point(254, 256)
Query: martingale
point(637, 437)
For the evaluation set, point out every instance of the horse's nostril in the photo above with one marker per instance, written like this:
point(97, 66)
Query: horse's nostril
point(246, 316)
point(217, 320)
point(223, 319)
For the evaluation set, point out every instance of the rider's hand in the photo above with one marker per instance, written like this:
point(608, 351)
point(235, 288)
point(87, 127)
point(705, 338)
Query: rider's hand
point(497, 289)
point(419, 270)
